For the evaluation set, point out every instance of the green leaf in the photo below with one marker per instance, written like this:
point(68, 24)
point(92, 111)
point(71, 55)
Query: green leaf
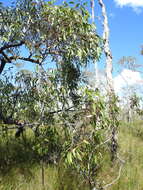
point(86, 142)
point(78, 156)
point(74, 152)
point(69, 157)
point(71, 2)
point(77, 5)
point(95, 159)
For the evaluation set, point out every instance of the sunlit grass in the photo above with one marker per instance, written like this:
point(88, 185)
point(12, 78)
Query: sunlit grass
point(131, 151)
point(24, 178)
point(27, 175)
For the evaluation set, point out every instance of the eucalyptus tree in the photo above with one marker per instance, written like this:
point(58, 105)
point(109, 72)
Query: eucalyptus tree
point(109, 77)
point(40, 32)
point(46, 31)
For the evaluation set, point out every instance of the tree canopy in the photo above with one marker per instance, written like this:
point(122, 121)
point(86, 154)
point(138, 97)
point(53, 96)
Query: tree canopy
point(46, 30)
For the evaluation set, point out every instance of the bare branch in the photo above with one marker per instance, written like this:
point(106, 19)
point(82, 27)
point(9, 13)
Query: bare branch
point(37, 61)
point(7, 59)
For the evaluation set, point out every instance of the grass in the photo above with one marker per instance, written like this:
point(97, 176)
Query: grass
point(26, 174)
point(20, 168)
point(131, 143)
point(24, 178)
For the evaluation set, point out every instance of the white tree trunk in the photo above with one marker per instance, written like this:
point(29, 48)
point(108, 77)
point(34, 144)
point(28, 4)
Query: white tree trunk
point(110, 86)
point(92, 10)
point(107, 51)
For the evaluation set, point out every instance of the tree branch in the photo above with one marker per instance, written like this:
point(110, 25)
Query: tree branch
point(37, 61)
point(7, 46)
point(2, 65)
point(5, 58)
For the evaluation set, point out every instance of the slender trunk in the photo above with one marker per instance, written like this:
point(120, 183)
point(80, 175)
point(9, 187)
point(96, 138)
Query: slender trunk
point(92, 10)
point(96, 75)
point(42, 173)
point(107, 50)
point(110, 87)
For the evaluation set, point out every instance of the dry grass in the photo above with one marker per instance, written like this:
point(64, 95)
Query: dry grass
point(28, 177)
point(131, 149)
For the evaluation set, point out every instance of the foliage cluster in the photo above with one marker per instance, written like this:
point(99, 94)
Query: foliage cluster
point(74, 131)
point(47, 31)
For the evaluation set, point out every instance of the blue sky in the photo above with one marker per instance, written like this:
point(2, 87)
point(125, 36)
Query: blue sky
point(126, 36)
point(126, 30)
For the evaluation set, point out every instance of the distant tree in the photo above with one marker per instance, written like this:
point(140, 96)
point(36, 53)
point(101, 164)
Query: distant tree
point(129, 62)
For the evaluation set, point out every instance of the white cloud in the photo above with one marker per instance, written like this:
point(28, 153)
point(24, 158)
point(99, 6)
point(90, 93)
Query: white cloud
point(127, 78)
point(137, 10)
point(135, 4)
point(132, 3)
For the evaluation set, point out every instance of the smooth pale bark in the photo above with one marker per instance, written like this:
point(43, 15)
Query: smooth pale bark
point(92, 10)
point(110, 86)
point(107, 51)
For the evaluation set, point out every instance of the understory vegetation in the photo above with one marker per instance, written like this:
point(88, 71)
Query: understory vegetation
point(20, 167)
point(47, 125)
